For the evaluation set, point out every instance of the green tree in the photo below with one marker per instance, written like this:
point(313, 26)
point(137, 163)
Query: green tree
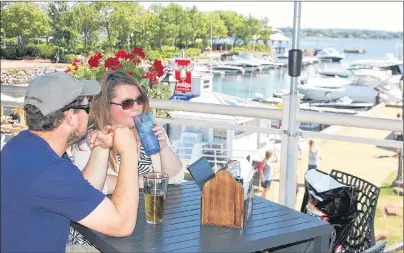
point(146, 29)
point(66, 23)
point(265, 33)
point(105, 10)
point(25, 22)
point(56, 11)
point(176, 20)
point(87, 19)
point(250, 28)
point(233, 22)
point(161, 22)
point(216, 26)
point(124, 21)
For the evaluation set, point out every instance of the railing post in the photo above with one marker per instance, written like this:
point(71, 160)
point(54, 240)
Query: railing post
point(283, 182)
point(230, 135)
point(215, 158)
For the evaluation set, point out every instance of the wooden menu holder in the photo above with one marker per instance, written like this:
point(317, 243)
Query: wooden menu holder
point(223, 201)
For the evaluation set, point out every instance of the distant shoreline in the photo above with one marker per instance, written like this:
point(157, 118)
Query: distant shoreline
point(327, 38)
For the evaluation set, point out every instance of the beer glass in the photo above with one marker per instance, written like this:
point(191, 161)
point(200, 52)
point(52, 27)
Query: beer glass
point(155, 191)
point(144, 124)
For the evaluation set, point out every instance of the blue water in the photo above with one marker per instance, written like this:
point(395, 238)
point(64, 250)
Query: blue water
point(374, 48)
point(266, 83)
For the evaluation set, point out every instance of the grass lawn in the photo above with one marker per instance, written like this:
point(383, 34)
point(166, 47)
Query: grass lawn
point(392, 225)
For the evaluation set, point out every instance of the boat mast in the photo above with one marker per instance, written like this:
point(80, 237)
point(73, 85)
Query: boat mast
point(211, 47)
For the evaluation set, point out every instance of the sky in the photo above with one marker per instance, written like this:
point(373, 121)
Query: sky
point(387, 16)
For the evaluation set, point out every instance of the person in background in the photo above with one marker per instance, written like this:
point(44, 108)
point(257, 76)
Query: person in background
point(57, 58)
point(314, 155)
point(15, 117)
point(398, 136)
point(267, 173)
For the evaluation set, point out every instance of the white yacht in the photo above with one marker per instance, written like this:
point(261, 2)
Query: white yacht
point(265, 64)
point(247, 65)
point(392, 64)
point(218, 65)
point(269, 58)
point(329, 54)
point(361, 87)
point(206, 69)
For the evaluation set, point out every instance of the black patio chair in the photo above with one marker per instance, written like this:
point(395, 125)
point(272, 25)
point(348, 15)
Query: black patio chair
point(362, 235)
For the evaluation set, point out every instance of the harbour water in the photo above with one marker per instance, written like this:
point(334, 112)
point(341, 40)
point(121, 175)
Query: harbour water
point(268, 82)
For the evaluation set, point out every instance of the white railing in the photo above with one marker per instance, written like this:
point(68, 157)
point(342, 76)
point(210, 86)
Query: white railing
point(262, 113)
point(265, 113)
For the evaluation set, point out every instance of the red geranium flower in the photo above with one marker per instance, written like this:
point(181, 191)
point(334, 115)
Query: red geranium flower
point(130, 73)
point(94, 61)
point(130, 57)
point(151, 75)
point(121, 54)
point(75, 63)
point(68, 70)
point(139, 52)
point(159, 68)
point(133, 58)
point(113, 63)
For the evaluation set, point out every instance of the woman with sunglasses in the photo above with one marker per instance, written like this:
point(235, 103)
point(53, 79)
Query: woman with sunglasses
point(121, 98)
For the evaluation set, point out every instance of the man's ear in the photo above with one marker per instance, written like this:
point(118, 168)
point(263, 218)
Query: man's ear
point(69, 117)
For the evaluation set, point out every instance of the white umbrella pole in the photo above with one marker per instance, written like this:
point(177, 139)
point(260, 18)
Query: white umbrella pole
point(295, 60)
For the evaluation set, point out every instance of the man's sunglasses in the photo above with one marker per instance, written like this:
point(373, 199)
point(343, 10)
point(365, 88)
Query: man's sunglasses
point(78, 107)
point(129, 103)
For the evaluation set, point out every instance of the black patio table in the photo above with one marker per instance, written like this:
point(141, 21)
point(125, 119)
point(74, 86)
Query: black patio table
point(270, 226)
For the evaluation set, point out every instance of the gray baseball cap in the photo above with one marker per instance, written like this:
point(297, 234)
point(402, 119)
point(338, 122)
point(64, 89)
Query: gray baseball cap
point(51, 92)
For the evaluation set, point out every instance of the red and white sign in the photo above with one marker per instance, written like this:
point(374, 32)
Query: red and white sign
point(183, 74)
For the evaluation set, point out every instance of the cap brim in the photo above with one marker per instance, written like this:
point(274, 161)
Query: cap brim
point(90, 87)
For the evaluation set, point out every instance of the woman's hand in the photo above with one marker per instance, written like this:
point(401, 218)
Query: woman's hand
point(102, 138)
point(161, 135)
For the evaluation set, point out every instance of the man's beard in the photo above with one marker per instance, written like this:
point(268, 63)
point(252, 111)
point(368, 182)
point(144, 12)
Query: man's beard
point(74, 138)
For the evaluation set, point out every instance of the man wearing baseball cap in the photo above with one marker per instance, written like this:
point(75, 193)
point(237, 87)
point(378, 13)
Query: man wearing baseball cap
point(42, 190)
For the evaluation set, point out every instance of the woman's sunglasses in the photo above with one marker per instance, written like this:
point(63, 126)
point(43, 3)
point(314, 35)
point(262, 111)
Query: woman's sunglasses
point(129, 103)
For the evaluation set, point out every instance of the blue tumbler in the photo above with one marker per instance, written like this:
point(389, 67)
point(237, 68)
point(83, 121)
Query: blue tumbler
point(144, 124)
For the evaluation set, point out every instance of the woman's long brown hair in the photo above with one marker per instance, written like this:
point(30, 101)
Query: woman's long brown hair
point(100, 115)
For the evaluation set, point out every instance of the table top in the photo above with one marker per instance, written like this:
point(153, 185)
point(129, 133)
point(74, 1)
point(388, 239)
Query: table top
point(271, 225)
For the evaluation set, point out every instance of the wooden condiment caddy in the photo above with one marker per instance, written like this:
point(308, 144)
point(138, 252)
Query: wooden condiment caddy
point(223, 202)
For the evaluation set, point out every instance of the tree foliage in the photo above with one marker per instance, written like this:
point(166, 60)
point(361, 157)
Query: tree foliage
point(81, 27)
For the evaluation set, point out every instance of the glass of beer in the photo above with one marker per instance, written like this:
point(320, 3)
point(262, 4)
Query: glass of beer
point(155, 191)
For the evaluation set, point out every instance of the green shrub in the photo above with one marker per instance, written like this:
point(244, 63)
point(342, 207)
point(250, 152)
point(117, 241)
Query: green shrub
point(154, 54)
point(237, 50)
point(32, 50)
point(68, 58)
point(10, 42)
point(166, 49)
point(10, 52)
point(260, 48)
point(190, 52)
point(47, 51)
point(198, 44)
